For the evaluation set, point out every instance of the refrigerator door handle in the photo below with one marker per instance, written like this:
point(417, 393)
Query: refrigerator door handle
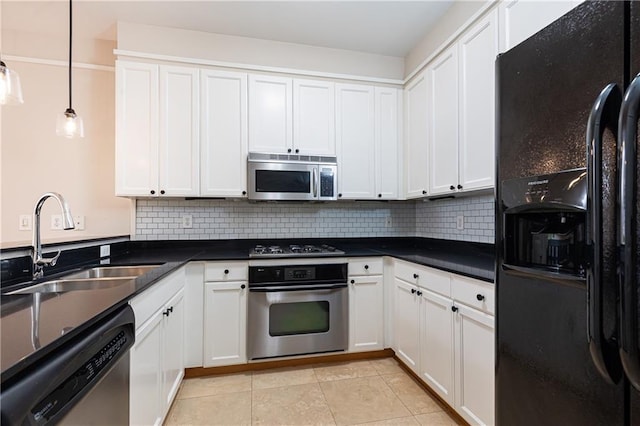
point(627, 163)
point(604, 351)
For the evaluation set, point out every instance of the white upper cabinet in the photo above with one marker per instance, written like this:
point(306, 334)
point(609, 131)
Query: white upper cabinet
point(223, 138)
point(355, 137)
point(443, 122)
point(520, 19)
point(461, 111)
point(387, 148)
point(416, 151)
point(157, 136)
point(291, 116)
point(478, 49)
point(179, 131)
point(136, 128)
point(314, 117)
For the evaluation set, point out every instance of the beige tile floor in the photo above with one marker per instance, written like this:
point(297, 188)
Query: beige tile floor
point(372, 392)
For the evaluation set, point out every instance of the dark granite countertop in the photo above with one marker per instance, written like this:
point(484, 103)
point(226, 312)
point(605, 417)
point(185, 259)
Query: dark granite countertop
point(63, 316)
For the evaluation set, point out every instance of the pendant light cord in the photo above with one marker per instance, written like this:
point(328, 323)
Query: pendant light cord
point(70, 38)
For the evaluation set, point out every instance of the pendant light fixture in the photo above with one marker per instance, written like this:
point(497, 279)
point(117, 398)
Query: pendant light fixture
point(10, 90)
point(69, 124)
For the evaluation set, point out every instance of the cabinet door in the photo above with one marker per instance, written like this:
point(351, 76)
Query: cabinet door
point(355, 140)
point(136, 128)
point(417, 140)
point(314, 115)
point(223, 141)
point(270, 114)
point(387, 147)
point(478, 50)
point(406, 324)
point(474, 365)
point(520, 19)
point(436, 332)
point(179, 131)
point(366, 328)
point(225, 323)
point(173, 359)
point(443, 123)
point(145, 381)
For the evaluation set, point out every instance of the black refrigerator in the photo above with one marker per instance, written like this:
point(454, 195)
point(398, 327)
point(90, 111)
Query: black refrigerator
point(567, 221)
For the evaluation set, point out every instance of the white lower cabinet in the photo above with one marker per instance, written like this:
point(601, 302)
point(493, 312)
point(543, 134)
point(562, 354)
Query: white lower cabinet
point(366, 317)
point(225, 315)
point(156, 359)
point(447, 343)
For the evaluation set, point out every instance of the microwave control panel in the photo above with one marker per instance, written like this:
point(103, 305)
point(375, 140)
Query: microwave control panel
point(327, 182)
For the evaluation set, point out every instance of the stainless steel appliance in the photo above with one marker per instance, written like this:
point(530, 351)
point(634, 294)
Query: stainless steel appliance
point(294, 250)
point(84, 381)
point(567, 279)
point(284, 177)
point(297, 309)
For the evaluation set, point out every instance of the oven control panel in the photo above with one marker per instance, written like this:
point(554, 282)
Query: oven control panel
point(299, 273)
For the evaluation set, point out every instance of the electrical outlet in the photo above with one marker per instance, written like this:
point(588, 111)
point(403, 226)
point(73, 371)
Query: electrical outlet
point(24, 223)
point(105, 251)
point(388, 222)
point(459, 222)
point(78, 222)
point(56, 222)
point(187, 221)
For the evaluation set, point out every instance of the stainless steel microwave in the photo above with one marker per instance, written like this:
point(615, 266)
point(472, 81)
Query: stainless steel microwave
point(292, 177)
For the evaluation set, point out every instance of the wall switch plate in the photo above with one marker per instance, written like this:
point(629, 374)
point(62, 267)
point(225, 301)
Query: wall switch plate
point(187, 221)
point(388, 222)
point(78, 222)
point(460, 222)
point(24, 222)
point(105, 251)
point(56, 222)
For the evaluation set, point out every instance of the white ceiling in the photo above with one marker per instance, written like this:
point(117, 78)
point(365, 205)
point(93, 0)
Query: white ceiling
point(381, 27)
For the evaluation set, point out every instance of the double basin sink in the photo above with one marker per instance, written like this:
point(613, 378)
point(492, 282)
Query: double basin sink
point(100, 277)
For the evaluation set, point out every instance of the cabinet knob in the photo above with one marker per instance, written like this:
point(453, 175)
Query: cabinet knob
point(353, 281)
point(297, 151)
point(459, 186)
point(289, 150)
point(166, 313)
point(424, 192)
point(419, 293)
point(366, 266)
point(454, 308)
point(415, 276)
point(170, 309)
point(153, 192)
point(379, 195)
point(226, 271)
point(244, 192)
point(162, 191)
point(452, 187)
point(243, 286)
point(480, 297)
point(340, 195)
point(413, 291)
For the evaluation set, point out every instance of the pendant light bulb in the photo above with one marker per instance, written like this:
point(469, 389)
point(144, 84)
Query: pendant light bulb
point(69, 125)
point(10, 89)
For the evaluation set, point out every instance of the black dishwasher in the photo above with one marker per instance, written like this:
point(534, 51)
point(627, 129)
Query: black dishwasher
point(85, 381)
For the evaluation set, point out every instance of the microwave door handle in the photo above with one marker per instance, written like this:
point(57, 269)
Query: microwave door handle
point(627, 238)
point(315, 182)
point(603, 116)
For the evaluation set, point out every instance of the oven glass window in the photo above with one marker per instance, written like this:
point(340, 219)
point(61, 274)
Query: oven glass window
point(283, 181)
point(286, 319)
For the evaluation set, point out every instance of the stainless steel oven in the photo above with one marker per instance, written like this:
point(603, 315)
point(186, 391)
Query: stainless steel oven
point(297, 309)
point(292, 177)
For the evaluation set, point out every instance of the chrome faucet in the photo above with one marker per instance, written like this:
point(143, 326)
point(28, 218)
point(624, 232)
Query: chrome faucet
point(39, 262)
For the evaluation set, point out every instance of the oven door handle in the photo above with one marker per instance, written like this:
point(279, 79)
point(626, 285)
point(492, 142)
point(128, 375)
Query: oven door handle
point(296, 288)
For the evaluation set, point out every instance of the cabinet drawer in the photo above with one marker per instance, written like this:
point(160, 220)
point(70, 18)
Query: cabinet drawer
point(425, 277)
point(148, 302)
point(475, 293)
point(365, 266)
point(226, 271)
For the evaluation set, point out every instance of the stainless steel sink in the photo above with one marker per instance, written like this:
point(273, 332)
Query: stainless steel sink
point(100, 277)
point(111, 272)
point(58, 286)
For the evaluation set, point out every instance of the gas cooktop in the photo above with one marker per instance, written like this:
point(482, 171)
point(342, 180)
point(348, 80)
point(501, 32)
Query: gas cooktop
point(294, 250)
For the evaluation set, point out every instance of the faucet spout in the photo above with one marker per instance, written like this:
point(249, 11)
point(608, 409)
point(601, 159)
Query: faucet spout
point(67, 223)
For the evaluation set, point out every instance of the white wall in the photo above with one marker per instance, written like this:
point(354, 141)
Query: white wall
point(244, 50)
point(34, 160)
